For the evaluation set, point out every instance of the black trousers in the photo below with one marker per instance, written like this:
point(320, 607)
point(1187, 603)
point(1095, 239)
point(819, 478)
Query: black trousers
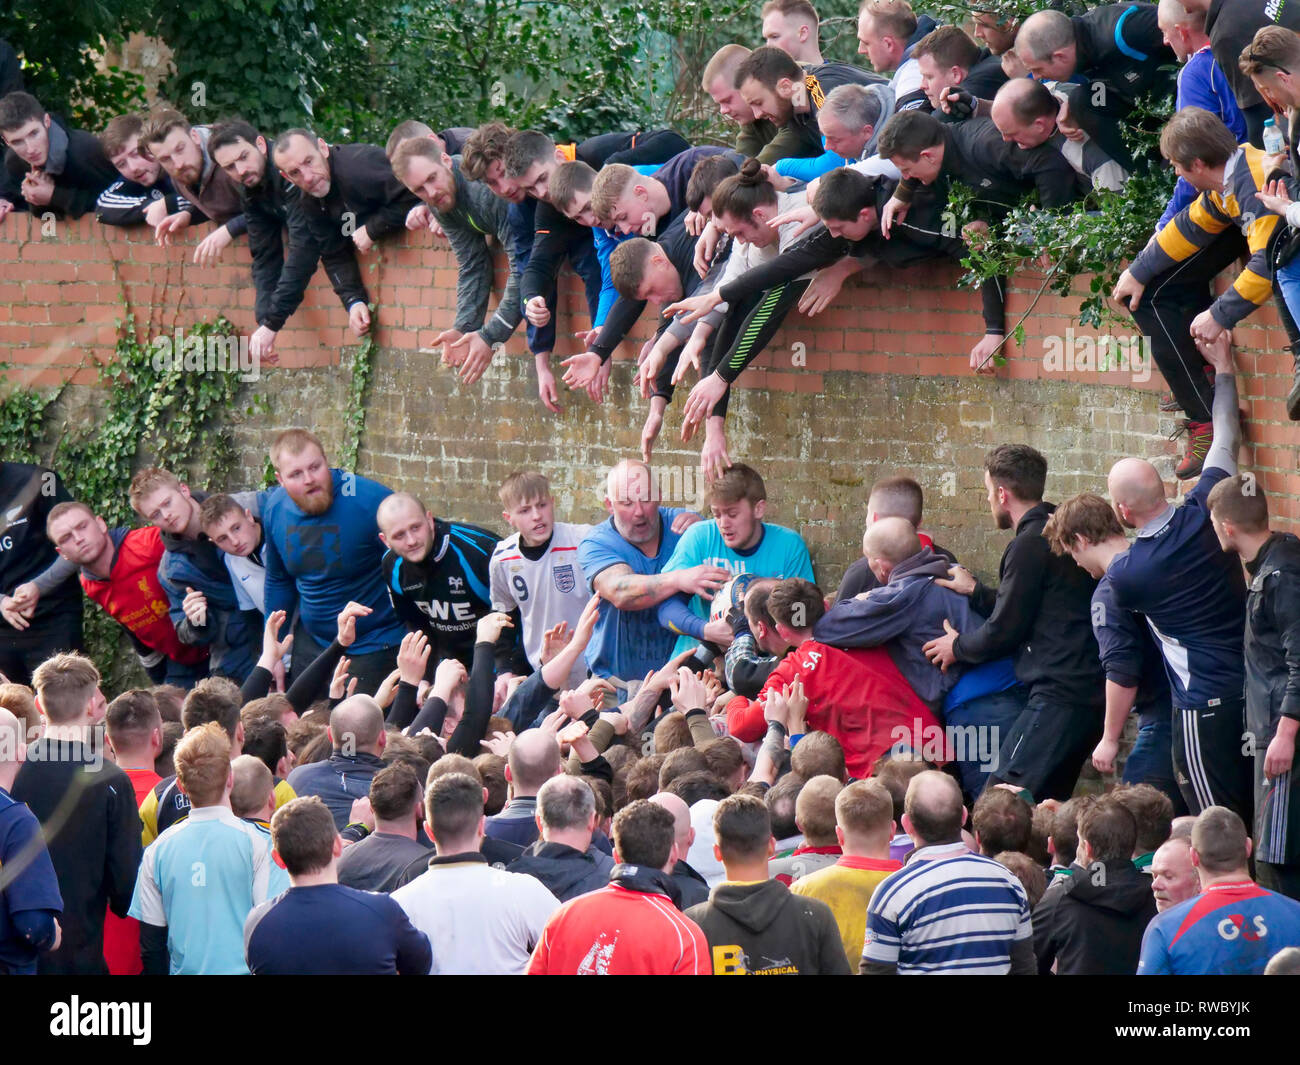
point(1165, 314)
point(1210, 763)
point(1047, 746)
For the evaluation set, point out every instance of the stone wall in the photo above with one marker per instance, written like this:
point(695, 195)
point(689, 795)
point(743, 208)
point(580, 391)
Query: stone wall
point(878, 384)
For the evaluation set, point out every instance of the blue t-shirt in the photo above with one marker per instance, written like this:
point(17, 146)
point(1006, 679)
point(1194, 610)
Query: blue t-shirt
point(329, 929)
point(34, 886)
point(321, 562)
point(627, 643)
point(1228, 929)
point(779, 553)
point(199, 880)
point(1193, 596)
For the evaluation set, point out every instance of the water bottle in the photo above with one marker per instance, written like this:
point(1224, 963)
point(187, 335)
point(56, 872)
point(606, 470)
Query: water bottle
point(1273, 140)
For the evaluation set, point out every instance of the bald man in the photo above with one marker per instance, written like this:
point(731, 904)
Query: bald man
point(533, 759)
point(1025, 112)
point(906, 611)
point(693, 887)
point(438, 580)
point(356, 730)
point(947, 910)
point(1110, 56)
point(1193, 596)
point(623, 559)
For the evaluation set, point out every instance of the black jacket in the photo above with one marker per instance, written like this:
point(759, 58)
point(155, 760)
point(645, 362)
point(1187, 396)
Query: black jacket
point(86, 807)
point(363, 191)
point(270, 208)
point(998, 171)
point(694, 888)
point(27, 495)
point(124, 202)
point(1273, 637)
point(1121, 55)
point(11, 71)
point(1232, 24)
point(1090, 921)
point(765, 929)
point(78, 165)
point(567, 873)
point(1041, 614)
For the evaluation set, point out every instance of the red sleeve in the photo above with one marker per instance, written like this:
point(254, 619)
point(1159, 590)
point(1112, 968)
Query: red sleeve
point(696, 960)
point(745, 716)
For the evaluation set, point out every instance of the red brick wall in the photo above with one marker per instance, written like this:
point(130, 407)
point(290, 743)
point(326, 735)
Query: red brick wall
point(886, 384)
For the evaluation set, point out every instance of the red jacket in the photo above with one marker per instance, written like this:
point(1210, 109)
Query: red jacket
point(134, 598)
point(856, 695)
point(619, 932)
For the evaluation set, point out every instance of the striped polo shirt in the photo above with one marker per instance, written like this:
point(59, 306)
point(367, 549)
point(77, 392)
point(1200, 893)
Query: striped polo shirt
point(947, 911)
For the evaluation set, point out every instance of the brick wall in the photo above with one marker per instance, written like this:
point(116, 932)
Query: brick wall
point(880, 385)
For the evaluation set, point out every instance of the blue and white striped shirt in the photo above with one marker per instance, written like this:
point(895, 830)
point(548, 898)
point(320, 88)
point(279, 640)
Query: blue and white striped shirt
point(947, 911)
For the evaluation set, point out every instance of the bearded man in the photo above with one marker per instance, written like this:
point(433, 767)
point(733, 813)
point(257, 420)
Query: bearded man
point(322, 552)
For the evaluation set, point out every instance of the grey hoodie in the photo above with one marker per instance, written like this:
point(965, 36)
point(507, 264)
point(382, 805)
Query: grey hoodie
point(885, 95)
point(904, 615)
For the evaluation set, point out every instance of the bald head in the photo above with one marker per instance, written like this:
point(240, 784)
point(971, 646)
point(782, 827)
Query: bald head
point(534, 758)
point(891, 539)
point(356, 725)
point(1137, 491)
point(933, 808)
point(684, 834)
point(628, 479)
point(1043, 33)
point(396, 508)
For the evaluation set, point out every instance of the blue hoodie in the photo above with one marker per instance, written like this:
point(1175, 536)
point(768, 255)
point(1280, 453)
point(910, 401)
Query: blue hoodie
point(904, 615)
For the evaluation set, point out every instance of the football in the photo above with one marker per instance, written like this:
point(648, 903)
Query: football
point(730, 594)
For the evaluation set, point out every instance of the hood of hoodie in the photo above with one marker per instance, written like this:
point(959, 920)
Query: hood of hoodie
point(559, 866)
point(884, 94)
point(925, 563)
point(1115, 887)
point(753, 906)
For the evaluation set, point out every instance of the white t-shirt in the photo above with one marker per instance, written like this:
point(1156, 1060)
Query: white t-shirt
point(547, 591)
point(480, 921)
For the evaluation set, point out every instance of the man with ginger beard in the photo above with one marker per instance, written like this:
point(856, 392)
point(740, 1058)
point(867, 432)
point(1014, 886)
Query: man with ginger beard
point(323, 551)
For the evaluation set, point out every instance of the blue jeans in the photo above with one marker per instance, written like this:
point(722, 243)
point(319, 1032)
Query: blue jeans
point(992, 716)
point(1288, 283)
point(1152, 760)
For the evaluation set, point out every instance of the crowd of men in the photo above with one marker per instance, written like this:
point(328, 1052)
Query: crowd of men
point(646, 741)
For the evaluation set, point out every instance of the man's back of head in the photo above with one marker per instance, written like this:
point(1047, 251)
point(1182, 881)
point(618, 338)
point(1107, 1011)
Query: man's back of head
point(818, 754)
point(1153, 811)
point(1220, 844)
point(65, 686)
point(566, 807)
point(357, 726)
point(212, 699)
point(1002, 821)
point(1107, 832)
point(814, 810)
point(534, 758)
point(864, 815)
point(645, 835)
point(253, 786)
point(933, 809)
point(742, 828)
point(681, 811)
point(453, 809)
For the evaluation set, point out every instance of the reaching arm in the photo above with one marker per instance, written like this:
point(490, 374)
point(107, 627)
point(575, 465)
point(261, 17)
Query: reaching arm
point(1227, 425)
